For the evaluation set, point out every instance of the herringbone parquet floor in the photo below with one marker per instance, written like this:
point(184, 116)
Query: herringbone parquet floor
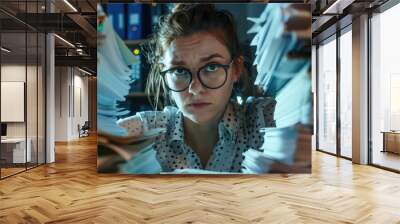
point(70, 191)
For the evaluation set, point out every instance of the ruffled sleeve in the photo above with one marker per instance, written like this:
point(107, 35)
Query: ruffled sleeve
point(134, 125)
point(146, 120)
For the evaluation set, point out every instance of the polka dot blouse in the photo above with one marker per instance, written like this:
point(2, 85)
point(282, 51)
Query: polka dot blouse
point(238, 131)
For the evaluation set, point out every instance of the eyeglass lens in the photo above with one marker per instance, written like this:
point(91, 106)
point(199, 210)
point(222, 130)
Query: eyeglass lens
point(211, 76)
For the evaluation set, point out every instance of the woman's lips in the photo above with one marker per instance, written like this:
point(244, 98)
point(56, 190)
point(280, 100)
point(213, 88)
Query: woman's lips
point(199, 105)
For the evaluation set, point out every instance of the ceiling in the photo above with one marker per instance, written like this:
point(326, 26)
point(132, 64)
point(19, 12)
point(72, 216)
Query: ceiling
point(331, 15)
point(79, 27)
point(72, 20)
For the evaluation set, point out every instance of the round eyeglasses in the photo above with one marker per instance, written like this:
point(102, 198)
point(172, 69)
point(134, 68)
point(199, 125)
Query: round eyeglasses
point(212, 76)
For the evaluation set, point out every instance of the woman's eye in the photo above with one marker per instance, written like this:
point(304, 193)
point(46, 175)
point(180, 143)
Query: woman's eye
point(179, 72)
point(211, 68)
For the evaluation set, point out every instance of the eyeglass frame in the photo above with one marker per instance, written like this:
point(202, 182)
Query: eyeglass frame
point(224, 66)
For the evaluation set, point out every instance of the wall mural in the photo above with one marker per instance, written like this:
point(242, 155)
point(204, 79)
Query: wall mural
point(204, 89)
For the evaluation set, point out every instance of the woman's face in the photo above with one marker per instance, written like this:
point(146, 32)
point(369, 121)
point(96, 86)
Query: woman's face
point(198, 103)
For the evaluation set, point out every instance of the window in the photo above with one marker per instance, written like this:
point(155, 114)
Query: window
point(385, 89)
point(327, 96)
point(22, 75)
point(346, 75)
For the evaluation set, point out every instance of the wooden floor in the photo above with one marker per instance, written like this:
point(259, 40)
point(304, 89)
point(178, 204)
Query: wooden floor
point(70, 191)
point(10, 171)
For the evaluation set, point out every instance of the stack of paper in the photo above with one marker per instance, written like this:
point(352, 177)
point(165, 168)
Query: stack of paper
point(282, 61)
point(128, 154)
point(274, 44)
point(117, 151)
point(114, 77)
point(144, 162)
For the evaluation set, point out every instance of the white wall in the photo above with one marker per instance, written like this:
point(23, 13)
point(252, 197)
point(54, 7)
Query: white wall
point(81, 84)
point(70, 84)
point(16, 73)
point(61, 103)
point(13, 73)
point(13, 101)
point(33, 126)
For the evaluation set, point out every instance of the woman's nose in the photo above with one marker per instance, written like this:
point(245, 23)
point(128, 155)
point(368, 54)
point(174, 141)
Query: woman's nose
point(195, 86)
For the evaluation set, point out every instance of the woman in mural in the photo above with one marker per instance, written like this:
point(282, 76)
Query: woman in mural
point(197, 66)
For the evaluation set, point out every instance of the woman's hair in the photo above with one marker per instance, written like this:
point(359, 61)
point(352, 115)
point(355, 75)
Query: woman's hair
point(184, 20)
